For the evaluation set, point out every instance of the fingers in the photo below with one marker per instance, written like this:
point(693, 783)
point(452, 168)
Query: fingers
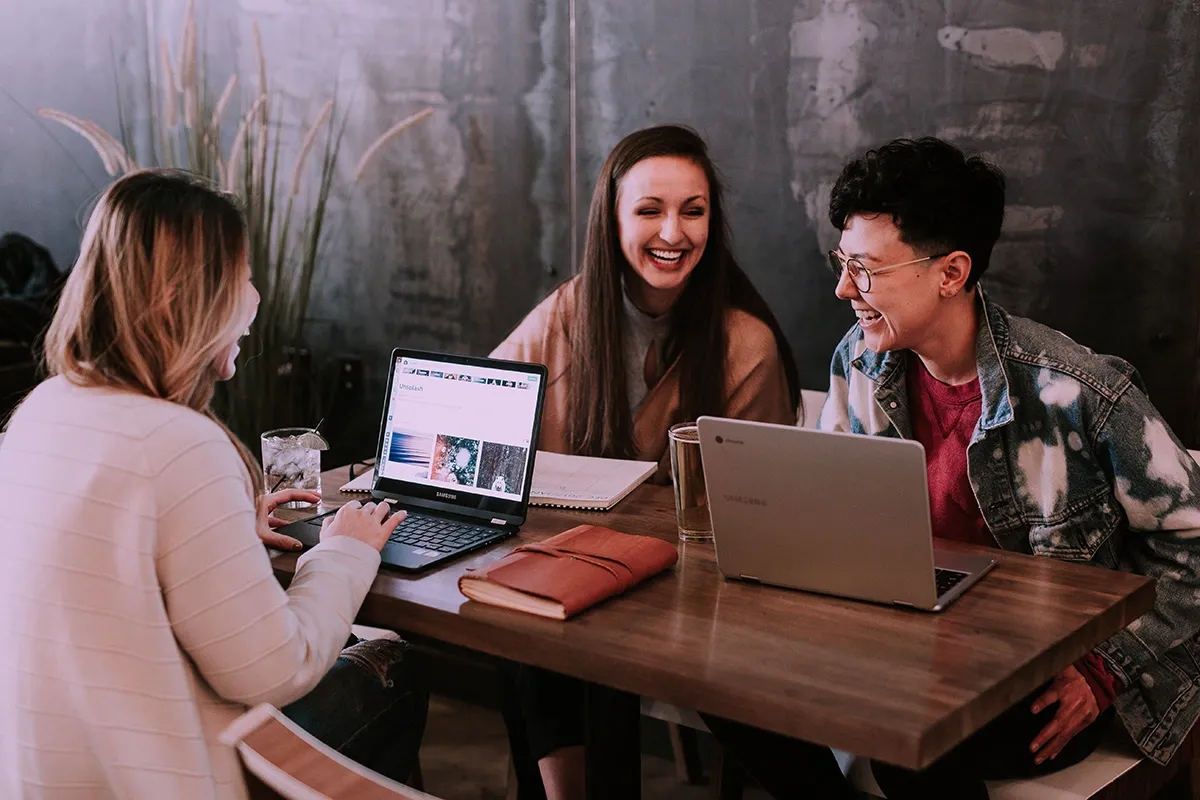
point(279, 541)
point(381, 510)
point(349, 508)
point(376, 511)
point(1047, 699)
point(275, 522)
point(1071, 718)
point(1069, 729)
point(392, 522)
point(1052, 729)
point(276, 499)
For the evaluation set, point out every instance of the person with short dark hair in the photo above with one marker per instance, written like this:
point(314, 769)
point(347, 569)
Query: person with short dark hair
point(1033, 444)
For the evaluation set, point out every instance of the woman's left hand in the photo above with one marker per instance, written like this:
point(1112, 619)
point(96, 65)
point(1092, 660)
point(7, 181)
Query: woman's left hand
point(267, 520)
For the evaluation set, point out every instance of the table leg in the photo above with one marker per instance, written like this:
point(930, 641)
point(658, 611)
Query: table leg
point(612, 735)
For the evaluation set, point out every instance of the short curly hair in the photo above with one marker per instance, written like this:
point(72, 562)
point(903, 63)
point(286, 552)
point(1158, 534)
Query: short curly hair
point(940, 200)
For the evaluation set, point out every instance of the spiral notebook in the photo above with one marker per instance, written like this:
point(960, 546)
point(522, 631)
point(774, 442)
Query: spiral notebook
point(595, 484)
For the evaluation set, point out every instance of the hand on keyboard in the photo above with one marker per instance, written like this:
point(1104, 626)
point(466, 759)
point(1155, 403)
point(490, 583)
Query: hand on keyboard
point(369, 523)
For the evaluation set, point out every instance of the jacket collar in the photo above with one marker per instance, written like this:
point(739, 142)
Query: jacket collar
point(991, 344)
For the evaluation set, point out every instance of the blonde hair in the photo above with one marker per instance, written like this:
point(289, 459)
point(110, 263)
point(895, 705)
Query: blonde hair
point(152, 301)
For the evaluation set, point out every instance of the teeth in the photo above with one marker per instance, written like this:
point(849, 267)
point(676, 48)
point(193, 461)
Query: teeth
point(867, 315)
point(666, 255)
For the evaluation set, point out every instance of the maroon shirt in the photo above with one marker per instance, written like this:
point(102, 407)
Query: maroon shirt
point(943, 419)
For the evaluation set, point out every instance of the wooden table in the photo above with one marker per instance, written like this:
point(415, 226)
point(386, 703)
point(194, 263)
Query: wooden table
point(896, 685)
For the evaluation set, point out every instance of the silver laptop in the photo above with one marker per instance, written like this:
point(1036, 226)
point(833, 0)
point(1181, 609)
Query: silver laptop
point(835, 513)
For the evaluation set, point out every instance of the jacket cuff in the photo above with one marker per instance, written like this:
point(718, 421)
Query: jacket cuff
point(1115, 655)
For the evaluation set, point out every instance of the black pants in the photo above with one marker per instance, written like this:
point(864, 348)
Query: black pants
point(997, 752)
point(786, 768)
point(791, 769)
point(543, 712)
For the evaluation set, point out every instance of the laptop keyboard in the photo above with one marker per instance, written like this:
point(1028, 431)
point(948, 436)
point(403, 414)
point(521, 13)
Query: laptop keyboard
point(947, 579)
point(441, 535)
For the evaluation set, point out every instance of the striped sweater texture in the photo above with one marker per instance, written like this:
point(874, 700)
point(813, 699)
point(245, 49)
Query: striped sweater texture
point(138, 611)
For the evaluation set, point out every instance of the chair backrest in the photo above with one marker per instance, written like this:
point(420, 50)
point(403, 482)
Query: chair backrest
point(294, 765)
point(813, 400)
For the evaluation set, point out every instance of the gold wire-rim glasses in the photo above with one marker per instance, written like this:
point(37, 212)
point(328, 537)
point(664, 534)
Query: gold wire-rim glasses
point(861, 275)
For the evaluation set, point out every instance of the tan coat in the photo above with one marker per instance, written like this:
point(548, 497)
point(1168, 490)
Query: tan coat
point(756, 385)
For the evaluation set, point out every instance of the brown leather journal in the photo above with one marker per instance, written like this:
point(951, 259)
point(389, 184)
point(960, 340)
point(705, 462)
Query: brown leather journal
point(570, 572)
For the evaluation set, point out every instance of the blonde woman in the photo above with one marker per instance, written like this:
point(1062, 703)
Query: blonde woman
point(139, 610)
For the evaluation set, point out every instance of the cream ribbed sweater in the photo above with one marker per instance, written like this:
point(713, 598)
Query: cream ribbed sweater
point(138, 611)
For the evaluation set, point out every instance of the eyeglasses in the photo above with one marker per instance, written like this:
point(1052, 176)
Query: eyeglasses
point(860, 274)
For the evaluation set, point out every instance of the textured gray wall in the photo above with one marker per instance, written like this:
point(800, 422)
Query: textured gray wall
point(454, 231)
point(1092, 109)
point(60, 54)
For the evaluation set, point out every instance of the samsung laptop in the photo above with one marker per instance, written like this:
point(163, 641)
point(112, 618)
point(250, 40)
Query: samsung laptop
point(835, 513)
point(456, 450)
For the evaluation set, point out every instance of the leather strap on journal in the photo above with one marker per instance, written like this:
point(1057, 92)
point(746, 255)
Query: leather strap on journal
point(604, 562)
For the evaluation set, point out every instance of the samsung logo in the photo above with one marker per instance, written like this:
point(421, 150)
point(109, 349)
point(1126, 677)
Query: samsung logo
point(446, 495)
point(746, 501)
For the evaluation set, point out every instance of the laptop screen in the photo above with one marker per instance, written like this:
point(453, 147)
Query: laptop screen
point(460, 431)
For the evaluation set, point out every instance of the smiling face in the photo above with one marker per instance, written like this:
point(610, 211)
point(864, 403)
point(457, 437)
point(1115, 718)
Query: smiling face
point(901, 309)
point(247, 310)
point(663, 220)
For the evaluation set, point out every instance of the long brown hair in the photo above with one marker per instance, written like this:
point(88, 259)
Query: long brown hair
point(152, 300)
point(599, 421)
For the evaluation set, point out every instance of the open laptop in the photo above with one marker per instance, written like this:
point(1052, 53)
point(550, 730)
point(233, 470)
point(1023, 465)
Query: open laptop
point(456, 450)
point(835, 513)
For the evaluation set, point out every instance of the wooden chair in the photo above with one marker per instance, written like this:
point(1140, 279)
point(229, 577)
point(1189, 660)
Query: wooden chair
point(813, 401)
point(281, 760)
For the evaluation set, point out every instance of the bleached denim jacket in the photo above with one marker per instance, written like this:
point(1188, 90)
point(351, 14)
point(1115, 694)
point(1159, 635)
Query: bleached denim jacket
point(1070, 460)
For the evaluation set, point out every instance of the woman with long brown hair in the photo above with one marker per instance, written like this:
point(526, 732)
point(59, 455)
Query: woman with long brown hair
point(141, 611)
point(660, 326)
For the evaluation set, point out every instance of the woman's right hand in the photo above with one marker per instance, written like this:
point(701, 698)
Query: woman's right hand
point(364, 522)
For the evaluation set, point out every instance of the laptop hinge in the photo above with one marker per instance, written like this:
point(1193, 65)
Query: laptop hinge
point(499, 522)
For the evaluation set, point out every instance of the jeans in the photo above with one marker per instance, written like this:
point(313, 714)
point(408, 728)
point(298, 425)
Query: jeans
point(369, 707)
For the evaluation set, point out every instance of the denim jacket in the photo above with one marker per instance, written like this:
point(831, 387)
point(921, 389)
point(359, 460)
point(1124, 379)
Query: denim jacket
point(1070, 460)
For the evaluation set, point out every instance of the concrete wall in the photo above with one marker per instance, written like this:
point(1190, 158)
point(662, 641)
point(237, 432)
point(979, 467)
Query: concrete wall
point(460, 224)
point(1093, 109)
point(62, 54)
